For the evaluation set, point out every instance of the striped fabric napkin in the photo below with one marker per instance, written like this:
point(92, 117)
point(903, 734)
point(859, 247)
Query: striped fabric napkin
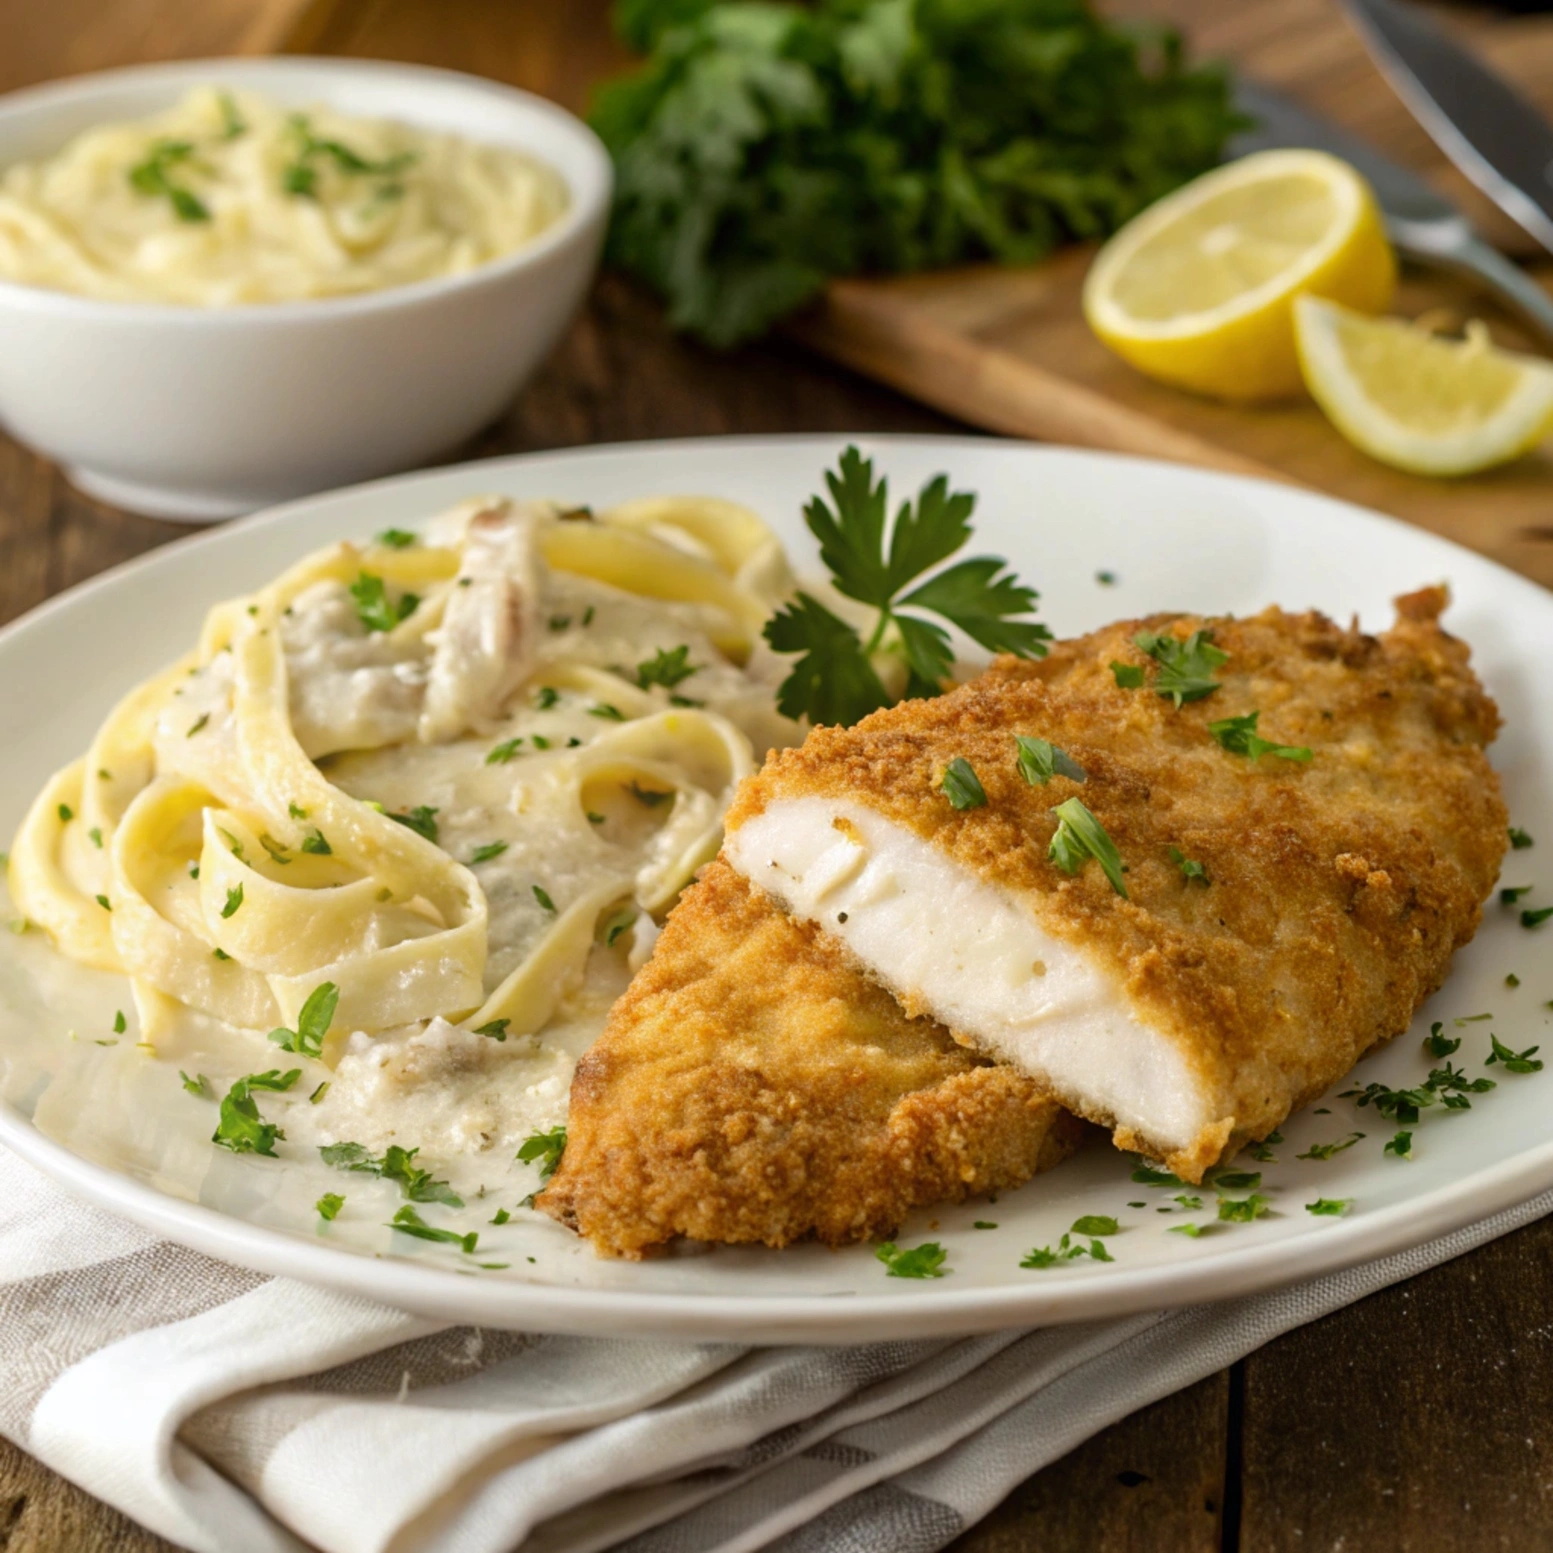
point(235, 1413)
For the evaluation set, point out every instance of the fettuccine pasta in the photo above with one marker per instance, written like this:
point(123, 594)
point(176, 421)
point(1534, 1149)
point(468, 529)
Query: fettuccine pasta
point(436, 773)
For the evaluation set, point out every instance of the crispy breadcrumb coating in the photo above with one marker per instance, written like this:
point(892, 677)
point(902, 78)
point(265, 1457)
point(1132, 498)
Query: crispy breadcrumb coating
point(753, 1085)
point(1337, 890)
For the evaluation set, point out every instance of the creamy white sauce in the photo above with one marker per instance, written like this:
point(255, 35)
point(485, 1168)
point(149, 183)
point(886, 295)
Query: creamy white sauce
point(229, 198)
point(971, 954)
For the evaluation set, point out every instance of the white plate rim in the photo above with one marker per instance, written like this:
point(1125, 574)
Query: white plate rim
point(940, 1309)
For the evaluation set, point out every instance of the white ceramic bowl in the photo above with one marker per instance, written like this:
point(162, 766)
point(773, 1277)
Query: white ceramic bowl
point(193, 413)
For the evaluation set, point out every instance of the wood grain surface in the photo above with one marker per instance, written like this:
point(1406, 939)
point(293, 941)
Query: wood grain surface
point(1413, 1422)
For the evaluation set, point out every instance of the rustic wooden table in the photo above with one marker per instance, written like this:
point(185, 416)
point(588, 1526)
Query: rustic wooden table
point(1415, 1421)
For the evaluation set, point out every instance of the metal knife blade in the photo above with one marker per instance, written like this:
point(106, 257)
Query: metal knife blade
point(1497, 138)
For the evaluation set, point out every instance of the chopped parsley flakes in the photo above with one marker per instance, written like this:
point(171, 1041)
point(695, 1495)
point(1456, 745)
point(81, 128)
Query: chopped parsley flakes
point(329, 1205)
point(1066, 1250)
point(1039, 762)
point(503, 752)
point(313, 1021)
point(542, 895)
point(1128, 676)
point(374, 608)
point(492, 849)
point(1080, 836)
point(1327, 1150)
point(396, 1164)
point(924, 1261)
point(545, 1149)
point(1536, 918)
point(422, 819)
point(961, 786)
point(234, 900)
point(315, 844)
point(665, 668)
point(1329, 1207)
point(1514, 1062)
point(1242, 1210)
point(1239, 736)
point(1186, 668)
point(409, 1222)
point(395, 538)
point(1401, 1146)
point(241, 1128)
point(1519, 840)
point(496, 1029)
point(1190, 867)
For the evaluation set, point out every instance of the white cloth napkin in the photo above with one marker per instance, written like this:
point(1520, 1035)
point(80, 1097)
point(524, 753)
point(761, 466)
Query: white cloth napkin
point(235, 1413)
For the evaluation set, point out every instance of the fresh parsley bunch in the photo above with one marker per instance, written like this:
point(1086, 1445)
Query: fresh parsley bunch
point(835, 679)
point(763, 148)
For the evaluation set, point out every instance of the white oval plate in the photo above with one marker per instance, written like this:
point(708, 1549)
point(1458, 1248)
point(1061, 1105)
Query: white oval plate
point(1174, 538)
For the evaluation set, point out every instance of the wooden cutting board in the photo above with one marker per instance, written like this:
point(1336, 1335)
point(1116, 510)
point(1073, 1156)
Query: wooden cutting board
point(1006, 349)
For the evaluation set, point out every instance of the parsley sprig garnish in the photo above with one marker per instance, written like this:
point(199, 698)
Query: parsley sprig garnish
point(924, 1261)
point(666, 668)
point(1513, 1062)
point(875, 561)
point(1080, 836)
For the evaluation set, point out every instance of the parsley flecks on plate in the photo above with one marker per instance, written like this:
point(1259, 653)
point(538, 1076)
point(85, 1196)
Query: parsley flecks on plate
point(1066, 1250)
point(924, 1261)
point(374, 608)
point(665, 668)
point(422, 819)
point(396, 1164)
point(1328, 1150)
point(1080, 836)
point(1329, 1207)
point(409, 1222)
point(761, 150)
point(241, 1128)
point(875, 561)
point(1242, 1210)
point(544, 1149)
point(1519, 839)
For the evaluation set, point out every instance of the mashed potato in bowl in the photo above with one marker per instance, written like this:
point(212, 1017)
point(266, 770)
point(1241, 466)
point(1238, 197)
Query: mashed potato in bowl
point(229, 198)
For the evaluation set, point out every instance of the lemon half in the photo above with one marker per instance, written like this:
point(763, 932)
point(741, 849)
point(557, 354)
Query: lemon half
point(1411, 399)
point(1198, 290)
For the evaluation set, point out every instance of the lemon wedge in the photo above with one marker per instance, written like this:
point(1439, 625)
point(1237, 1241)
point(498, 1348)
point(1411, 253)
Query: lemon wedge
point(1198, 290)
point(1413, 400)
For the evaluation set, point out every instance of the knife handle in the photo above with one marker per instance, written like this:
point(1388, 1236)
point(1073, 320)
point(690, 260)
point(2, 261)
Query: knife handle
point(1471, 257)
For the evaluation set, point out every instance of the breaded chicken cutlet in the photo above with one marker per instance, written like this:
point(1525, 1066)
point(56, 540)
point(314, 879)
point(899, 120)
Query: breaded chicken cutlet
point(1281, 916)
point(754, 1086)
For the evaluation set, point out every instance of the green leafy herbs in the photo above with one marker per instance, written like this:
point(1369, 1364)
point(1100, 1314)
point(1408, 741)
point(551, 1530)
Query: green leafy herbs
point(198, 723)
point(119, 1024)
point(422, 819)
point(1190, 868)
point(837, 676)
point(1263, 1152)
point(492, 849)
point(104, 902)
point(1146, 1174)
point(961, 786)
point(1535, 918)
point(1039, 762)
point(316, 845)
point(396, 1164)
point(329, 1206)
point(496, 1029)
point(241, 1128)
point(503, 752)
point(311, 153)
point(501, 1216)
point(764, 148)
point(1514, 1062)
point(667, 669)
point(651, 796)
point(542, 895)
point(1242, 1210)
point(318, 1094)
point(1066, 1250)
point(617, 923)
point(1239, 736)
point(1192, 1230)
point(199, 1085)
point(1327, 1150)
point(1095, 1224)
point(1080, 836)
point(602, 709)
point(1519, 840)
point(1396, 1105)
point(1453, 1086)
point(154, 175)
point(94, 835)
point(232, 122)
point(545, 1150)
point(374, 608)
point(395, 538)
point(924, 1261)
point(66, 813)
point(1401, 1146)
point(1437, 1043)
point(1512, 893)
point(1186, 667)
point(1128, 676)
point(313, 1021)
point(408, 1222)
point(1235, 1180)
point(1329, 1207)
point(234, 901)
